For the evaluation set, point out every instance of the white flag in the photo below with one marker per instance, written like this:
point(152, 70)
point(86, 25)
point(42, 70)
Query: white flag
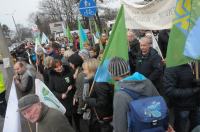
point(155, 45)
point(155, 15)
point(45, 39)
point(12, 119)
point(47, 97)
point(96, 40)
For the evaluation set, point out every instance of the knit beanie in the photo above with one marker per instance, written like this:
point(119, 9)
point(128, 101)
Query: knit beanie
point(84, 53)
point(118, 67)
point(76, 60)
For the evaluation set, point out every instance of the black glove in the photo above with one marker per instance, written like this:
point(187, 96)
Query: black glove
point(196, 90)
point(197, 82)
point(90, 101)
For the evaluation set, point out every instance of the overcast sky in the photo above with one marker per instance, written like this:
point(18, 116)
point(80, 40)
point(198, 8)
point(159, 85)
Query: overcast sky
point(20, 9)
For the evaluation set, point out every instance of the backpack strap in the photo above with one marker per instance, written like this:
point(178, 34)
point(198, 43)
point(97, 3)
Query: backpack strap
point(134, 95)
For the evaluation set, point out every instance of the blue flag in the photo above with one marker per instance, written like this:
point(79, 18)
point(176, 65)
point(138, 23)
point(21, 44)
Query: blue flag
point(192, 45)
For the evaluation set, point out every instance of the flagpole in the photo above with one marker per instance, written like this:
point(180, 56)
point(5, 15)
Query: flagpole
point(91, 29)
point(197, 70)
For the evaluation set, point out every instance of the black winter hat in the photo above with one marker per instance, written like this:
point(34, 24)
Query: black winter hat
point(76, 60)
point(118, 67)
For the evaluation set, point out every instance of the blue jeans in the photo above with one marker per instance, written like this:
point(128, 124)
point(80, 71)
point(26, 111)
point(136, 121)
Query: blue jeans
point(182, 118)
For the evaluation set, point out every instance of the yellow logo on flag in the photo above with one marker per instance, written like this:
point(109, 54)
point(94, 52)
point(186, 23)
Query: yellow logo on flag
point(183, 9)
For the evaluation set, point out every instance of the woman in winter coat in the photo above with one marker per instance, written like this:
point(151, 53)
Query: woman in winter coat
point(61, 83)
point(47, 68)
point(75, 62)
point(99, 99)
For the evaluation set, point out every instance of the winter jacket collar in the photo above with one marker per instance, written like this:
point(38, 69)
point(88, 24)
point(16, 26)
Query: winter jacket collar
point(136, 82)
point(43, 112)
point(152, 52)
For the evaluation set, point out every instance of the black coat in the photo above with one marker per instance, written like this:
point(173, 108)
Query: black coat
point(102, 99)
point(163, 38)
point(178, 86)
point(46, 75)
point(59, 83)
point(151, 66)
point(133, 52)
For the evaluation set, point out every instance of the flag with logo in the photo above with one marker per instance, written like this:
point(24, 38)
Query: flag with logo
point(47, 97)
point(82, 35)
point(192, 46)
point(179, 33)
point(117, 46)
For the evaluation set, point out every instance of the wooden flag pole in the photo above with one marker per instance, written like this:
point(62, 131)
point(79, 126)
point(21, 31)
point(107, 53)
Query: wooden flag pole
point(29, 126)
point(197, 70)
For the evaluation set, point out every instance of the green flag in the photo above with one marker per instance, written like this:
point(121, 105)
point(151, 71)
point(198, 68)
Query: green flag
point(117, 46)
point(179, 34)
point(97, 33)
point(69, 35)
point(37, 42)
point(82, 35)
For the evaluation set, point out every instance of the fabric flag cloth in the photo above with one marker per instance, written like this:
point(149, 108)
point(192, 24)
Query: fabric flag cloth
point(37, 42)
point(117, 46)
point(155, 45)
point(97, 33)
point(192, 46)
point(47, 97)
point(96, 40)
point(149, 16)
point(82, 35)
point(64, 29)
point(69, 35)
point(178, 34)
point(12, 115)
point(45, 39)
point(36, 34)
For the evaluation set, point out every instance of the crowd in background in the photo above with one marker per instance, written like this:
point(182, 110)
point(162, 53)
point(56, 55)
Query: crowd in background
point(69, 72)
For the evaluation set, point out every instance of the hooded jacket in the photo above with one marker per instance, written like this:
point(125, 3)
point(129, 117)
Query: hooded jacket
point(137, 83)
point(52, 120)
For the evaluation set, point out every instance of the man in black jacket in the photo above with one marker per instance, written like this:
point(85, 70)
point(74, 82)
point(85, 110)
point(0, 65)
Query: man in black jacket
point(183, 96)
point(134, 48)
point(149, 63)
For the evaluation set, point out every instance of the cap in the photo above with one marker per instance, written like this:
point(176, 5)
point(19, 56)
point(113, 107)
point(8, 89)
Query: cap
point(27, 101)
point(118, 67)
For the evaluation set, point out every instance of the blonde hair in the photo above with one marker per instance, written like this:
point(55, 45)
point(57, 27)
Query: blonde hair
point(68, 53)
point(48, 62)
point(91, 65)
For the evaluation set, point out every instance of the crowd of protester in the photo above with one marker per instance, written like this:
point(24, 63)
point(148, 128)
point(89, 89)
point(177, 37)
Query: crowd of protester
point(91, 106)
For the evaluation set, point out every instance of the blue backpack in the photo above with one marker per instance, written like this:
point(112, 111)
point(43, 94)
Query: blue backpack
point(146, 114)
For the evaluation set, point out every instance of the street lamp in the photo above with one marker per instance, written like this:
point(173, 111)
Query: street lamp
point(12, 15)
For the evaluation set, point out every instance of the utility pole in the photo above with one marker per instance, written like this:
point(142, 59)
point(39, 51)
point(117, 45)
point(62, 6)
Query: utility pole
point(8, 65)
point(16, 28)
